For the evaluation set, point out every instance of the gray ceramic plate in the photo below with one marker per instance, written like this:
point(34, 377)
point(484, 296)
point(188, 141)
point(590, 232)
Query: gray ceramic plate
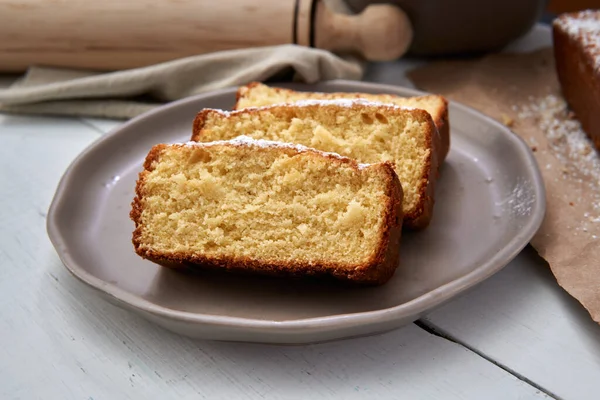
point(490, 201)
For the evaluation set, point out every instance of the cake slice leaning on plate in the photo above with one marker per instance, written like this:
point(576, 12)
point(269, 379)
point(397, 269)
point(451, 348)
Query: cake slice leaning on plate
point(365, 131)
point(270, 208)
point(258, 94)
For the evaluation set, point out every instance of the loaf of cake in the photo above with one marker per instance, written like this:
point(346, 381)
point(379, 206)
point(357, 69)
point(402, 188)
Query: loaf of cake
point(365, 131)
point(577, 54)
point(257, 94)
point(270, 208)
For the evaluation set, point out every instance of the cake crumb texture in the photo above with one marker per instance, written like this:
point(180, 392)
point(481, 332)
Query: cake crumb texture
point(268, 209)
point(367, 133)
point(257, 94)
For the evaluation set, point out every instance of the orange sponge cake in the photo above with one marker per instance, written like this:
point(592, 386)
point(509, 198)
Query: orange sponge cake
point(365, 131)
point(577, 53)
point(257, 94)
point(268, 208)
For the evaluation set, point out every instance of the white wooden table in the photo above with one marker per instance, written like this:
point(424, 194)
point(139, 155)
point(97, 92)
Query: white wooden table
point(517, 335)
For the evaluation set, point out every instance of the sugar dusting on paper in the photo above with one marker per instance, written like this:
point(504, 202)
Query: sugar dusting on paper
point(525, 88)
point(571, 146)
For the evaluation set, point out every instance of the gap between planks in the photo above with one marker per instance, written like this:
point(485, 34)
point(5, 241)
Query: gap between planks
point(428, 327)
point(436, 331)
point(87, 123)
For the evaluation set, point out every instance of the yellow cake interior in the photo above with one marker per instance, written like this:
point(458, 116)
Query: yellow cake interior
point(260, 95)
point(369, 136)
point(274, 204)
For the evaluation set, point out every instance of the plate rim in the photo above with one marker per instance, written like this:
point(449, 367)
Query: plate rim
point(418, 305)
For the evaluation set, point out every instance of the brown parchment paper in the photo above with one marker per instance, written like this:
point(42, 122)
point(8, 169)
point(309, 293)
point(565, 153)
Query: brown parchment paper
point(518, 90)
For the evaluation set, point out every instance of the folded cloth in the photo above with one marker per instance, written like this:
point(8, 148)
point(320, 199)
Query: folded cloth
point(125, 94)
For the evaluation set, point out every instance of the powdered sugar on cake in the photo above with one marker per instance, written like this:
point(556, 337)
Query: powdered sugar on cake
point(347, 103)
point(584, 26)
point(344, 103)
point(244, 140)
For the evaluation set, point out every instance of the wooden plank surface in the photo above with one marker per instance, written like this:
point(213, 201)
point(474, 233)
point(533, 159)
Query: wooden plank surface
point(525, 322)
point(102, 125)
point(62, 341)
point(521, 318)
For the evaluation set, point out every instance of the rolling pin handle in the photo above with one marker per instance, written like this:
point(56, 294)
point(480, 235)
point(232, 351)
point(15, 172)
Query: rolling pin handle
point(382, 32)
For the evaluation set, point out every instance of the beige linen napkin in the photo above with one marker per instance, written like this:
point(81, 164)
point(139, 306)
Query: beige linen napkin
point(125, 94)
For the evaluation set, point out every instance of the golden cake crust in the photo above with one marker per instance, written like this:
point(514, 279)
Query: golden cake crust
point(376, 271)
point(415, 219)
point(576, 38)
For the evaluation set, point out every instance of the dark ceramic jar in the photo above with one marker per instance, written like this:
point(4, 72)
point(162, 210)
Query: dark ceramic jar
point(447, 27)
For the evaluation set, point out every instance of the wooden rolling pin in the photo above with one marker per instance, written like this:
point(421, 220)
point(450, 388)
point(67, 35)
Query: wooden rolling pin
point(117, 34)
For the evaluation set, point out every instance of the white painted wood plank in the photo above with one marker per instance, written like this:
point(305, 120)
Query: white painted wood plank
point(391, 72)
point(34, 152)
point(78, 347)
point(524, 321)
point(61, 341)
point(102, 125)
point(521, 318)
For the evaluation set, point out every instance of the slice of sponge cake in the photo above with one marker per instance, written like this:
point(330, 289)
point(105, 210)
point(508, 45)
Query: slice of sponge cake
point(257, 94)
point(270, 208)
point(365, 131)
